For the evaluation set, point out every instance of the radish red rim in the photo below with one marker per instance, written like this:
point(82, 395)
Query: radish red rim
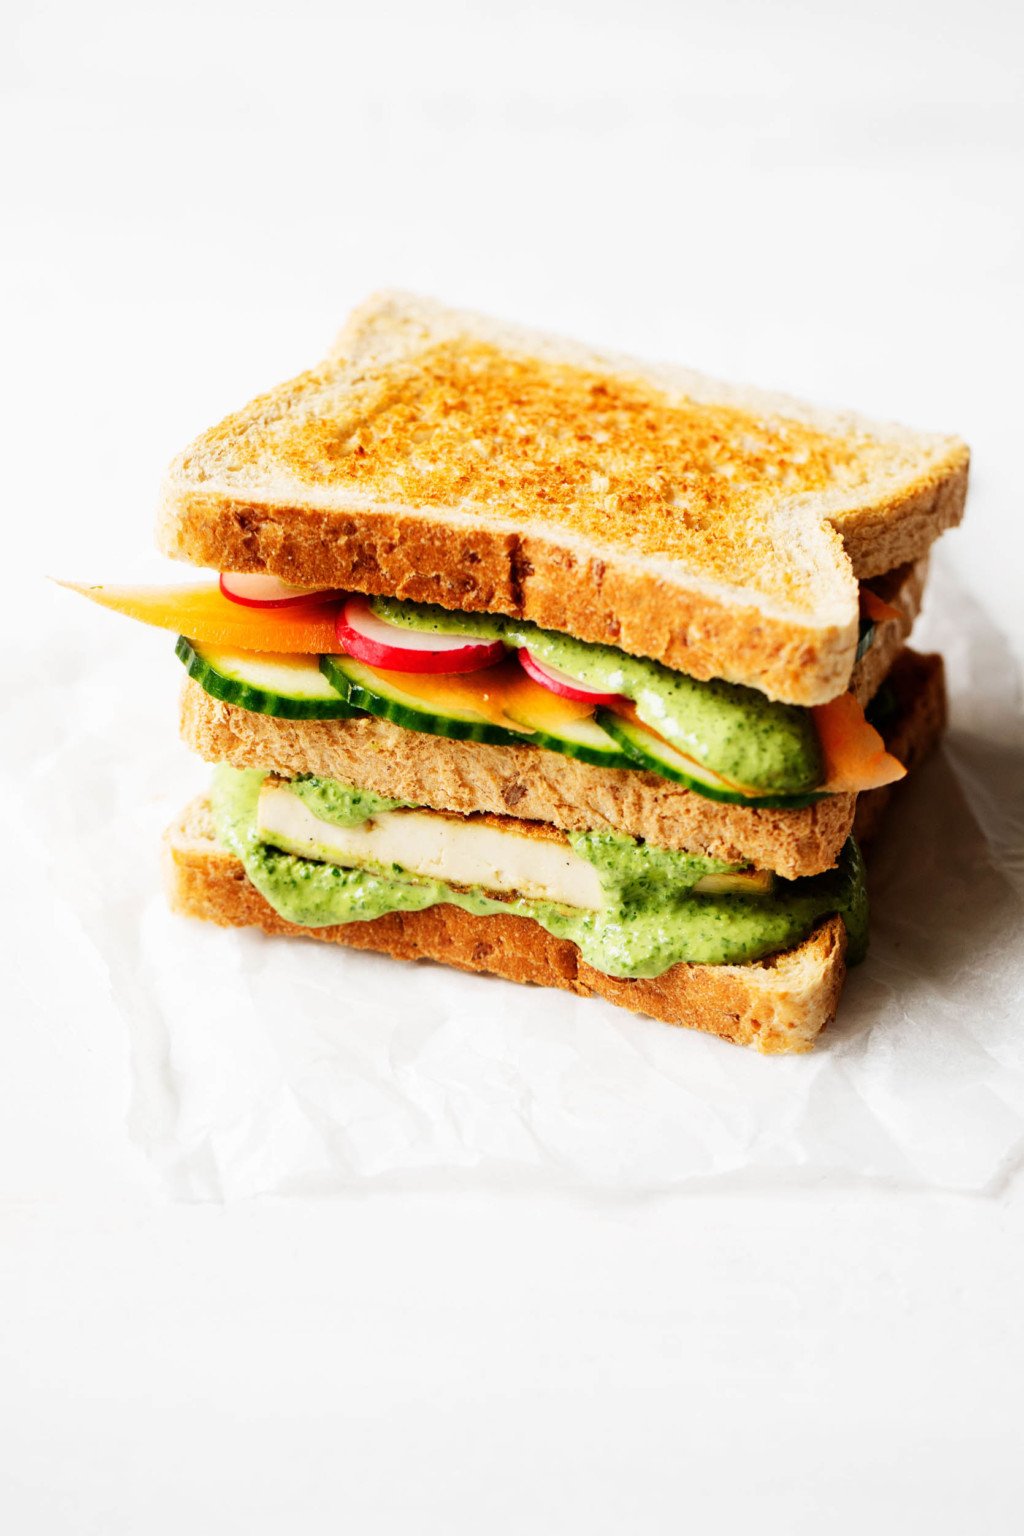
point(371, 639)
point(561, 683)
point(256, 589)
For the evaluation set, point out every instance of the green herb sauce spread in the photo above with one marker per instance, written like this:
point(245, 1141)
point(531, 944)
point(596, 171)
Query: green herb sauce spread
point(651, 919)
point(733, 730)
point(340, 804)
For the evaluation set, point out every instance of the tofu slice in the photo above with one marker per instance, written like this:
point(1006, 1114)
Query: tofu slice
point(497, 854)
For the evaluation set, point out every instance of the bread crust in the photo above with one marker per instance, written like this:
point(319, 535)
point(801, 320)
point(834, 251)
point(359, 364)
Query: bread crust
point(387, 551)
point(289, 485)
point(776, 1006)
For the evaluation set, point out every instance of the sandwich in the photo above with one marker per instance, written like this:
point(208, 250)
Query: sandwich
point(549, 663)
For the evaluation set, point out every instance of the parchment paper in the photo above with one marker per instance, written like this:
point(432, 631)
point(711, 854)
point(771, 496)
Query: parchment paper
point(264, 1065)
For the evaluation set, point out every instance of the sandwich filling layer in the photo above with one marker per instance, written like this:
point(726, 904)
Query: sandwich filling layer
point(467, 851)
point(321, 655)
point(512, 683)
point(322, 853)
point(735, 731)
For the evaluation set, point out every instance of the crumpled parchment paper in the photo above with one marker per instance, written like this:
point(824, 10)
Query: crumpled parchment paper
point(276, 1066)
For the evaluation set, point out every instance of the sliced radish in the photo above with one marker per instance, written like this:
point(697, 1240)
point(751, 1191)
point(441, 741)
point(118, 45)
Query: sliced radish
point(559, 682)
point(256, 590)
point(371, 639)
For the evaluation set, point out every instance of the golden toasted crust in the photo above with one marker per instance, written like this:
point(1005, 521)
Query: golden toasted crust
point(444, 458)
point(779, 1005)
point(534, 784)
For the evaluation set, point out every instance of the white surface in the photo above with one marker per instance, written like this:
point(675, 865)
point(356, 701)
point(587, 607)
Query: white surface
point(816, 199)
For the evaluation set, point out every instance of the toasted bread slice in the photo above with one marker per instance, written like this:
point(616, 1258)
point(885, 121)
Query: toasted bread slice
point(444, 457)
point(536, 785)
point(775, 1005)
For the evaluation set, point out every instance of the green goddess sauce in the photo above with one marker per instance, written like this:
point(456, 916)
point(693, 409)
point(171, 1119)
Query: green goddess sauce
point(341, 804)
point(733, 730)
point(651, 919)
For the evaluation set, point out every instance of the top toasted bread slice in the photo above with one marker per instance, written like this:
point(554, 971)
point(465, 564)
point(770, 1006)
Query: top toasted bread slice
point(440, 456)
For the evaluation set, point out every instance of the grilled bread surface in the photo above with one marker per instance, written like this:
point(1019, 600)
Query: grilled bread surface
point(443, 457)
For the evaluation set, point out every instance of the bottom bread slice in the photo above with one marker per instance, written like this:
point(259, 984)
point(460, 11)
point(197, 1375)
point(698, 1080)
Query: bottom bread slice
point(775, 1005)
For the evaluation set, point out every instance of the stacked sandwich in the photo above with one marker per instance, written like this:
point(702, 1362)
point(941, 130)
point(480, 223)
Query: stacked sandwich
point(539, 661)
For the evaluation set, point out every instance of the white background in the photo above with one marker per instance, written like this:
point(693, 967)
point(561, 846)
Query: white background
point(822, 198)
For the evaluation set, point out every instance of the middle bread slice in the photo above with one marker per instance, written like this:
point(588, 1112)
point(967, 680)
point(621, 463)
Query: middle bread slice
point(528, 782)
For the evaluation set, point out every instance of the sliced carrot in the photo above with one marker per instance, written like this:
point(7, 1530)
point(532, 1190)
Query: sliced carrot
point(485, 692)
point(529, 700)
point(854, 752)
point(502, 694)
point(203, 613)
point(876, 608)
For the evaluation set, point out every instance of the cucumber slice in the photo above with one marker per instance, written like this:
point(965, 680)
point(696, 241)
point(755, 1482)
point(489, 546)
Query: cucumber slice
point(583, 739)
point(366, 689)
point(747, 882)
point(865, 638)
point(648, 751)
point(291, 687)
